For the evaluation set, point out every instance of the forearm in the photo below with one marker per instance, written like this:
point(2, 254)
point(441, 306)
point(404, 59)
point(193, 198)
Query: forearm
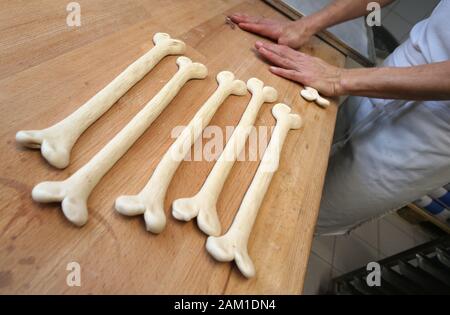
point(425, 82)
point(340, 11)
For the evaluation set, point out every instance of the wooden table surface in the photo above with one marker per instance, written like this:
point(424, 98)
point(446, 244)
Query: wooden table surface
point(48, 69)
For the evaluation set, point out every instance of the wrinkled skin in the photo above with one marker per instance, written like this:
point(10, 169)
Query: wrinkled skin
point(287, 61)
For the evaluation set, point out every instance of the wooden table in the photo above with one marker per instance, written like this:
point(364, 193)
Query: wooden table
point(48, 69)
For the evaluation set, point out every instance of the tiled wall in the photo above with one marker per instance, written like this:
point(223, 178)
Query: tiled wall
point(400, 16)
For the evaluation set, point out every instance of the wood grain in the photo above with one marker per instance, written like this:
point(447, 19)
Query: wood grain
point(47, 70)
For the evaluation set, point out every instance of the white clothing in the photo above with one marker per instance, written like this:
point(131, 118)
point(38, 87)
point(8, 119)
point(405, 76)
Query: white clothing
point(388, 153)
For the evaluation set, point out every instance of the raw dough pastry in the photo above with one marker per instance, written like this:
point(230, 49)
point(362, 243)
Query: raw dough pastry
point(309, 94)
point(56, 142)
point(312, 95)
point(150, 201)
point(75, 190)
point(203, 204)
point(233, 245)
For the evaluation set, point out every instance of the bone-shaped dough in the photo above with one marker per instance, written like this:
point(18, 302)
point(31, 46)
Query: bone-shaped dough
point(150, 201)
point(203, 204)
point(56, 142)
point(233, 245)
point(312, 95)
point(75, 190)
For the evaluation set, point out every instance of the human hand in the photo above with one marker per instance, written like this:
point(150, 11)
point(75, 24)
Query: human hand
point(292, 34)
point(303, 68)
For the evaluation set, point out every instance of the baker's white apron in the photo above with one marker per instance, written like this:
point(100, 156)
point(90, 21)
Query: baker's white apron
point(388, 153)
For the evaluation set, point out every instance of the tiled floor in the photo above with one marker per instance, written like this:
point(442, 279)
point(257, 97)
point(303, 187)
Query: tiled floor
point(332, 256)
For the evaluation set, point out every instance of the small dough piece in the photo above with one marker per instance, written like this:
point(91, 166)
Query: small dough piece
point(322, 101)
point(233, 245)
point(75, 190)
point(312, 95)
point(309, 94)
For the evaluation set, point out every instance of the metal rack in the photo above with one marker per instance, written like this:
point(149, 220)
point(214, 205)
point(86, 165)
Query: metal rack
point(424, 269)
